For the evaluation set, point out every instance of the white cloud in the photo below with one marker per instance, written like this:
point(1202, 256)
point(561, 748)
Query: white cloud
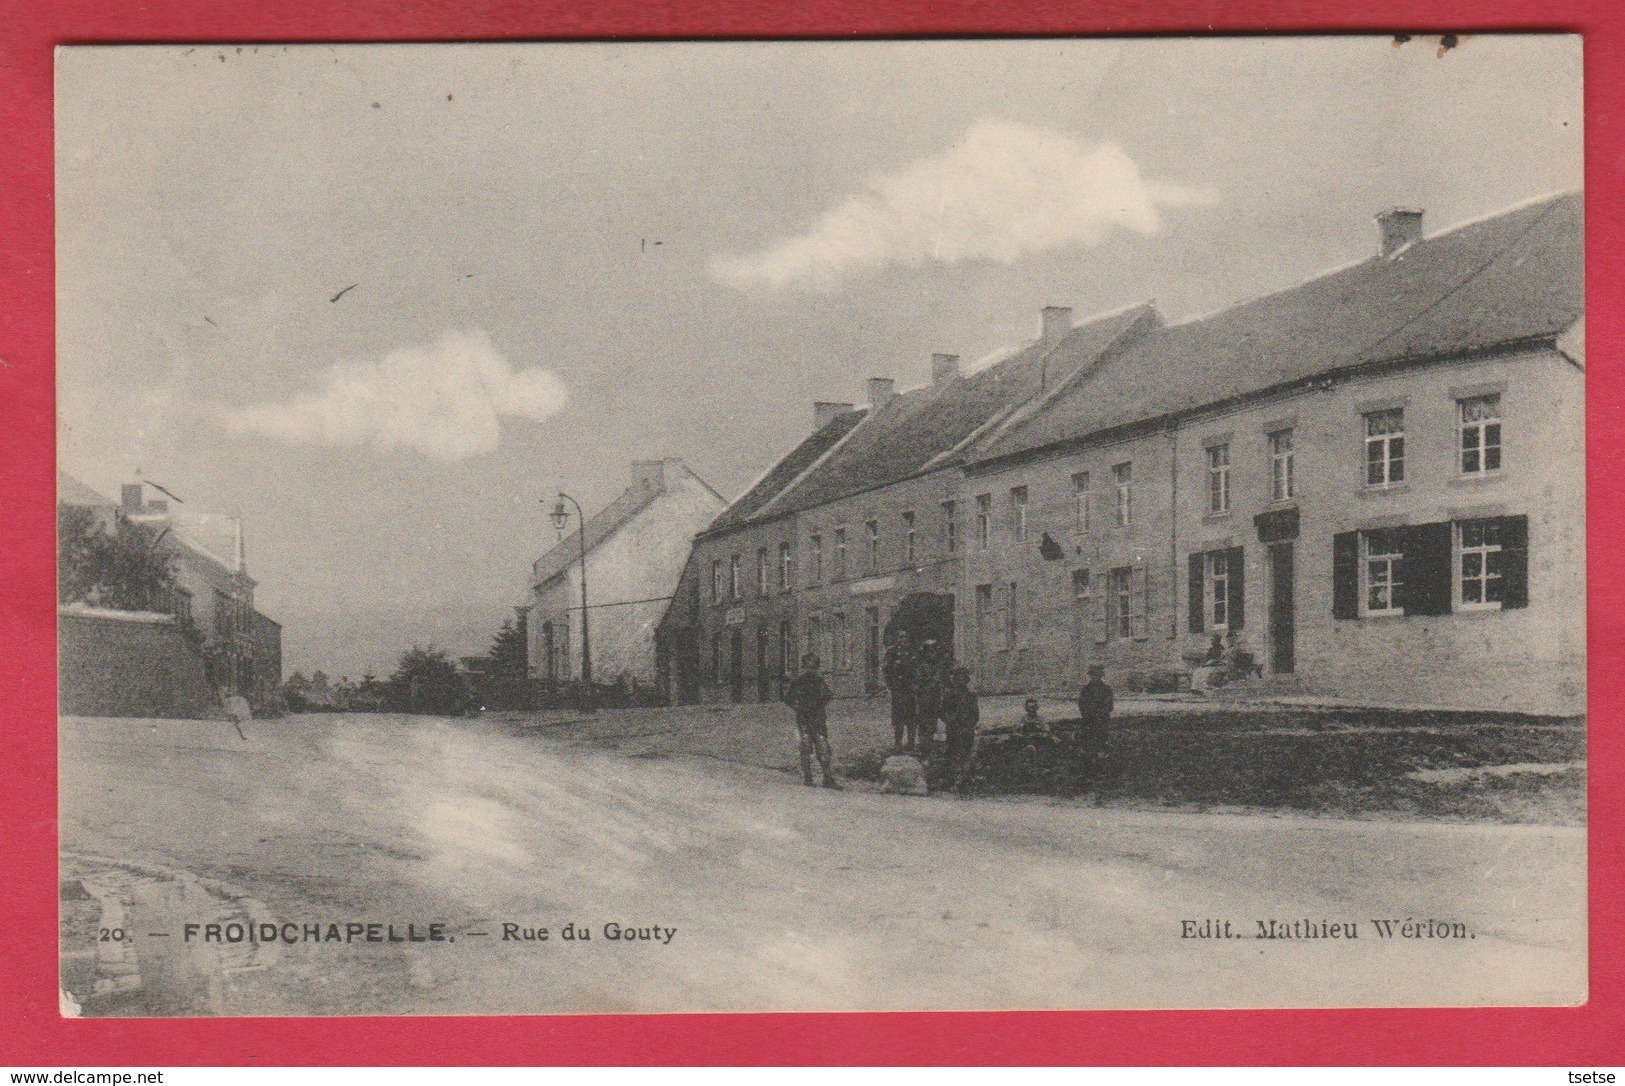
point(1005, 190)
point(445, 400)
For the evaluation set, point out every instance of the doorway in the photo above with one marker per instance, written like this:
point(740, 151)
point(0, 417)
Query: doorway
point(1283, 627)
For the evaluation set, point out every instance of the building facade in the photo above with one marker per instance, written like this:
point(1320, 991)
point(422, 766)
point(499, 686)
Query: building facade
point(636, 550)
point(1370, 486)
point(213, 594)
point(819, 556)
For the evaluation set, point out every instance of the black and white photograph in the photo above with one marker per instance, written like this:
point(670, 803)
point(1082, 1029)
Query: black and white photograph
point(909, 525)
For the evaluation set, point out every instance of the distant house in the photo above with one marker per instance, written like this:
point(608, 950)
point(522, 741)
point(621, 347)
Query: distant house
point(636, 549)
point(213, 591)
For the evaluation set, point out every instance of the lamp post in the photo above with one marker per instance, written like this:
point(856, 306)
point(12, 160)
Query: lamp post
point(561, 516)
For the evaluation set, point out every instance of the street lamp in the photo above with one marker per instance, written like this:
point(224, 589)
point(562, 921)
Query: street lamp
point(561, 516)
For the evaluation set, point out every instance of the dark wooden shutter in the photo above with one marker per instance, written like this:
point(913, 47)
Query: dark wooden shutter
point(1197, 589)
point(1346, 575)
point(1425, 587)
point(1237, 609)
point(1514, 562)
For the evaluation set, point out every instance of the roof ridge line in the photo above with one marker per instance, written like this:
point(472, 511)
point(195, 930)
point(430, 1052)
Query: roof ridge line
point(1337, 269)
point(767, 506)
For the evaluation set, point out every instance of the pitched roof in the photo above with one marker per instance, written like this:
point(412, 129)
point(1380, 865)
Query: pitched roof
point(610, 519)
point(1514, 277)
point(786, 471)
point(70, 491)
point(929, 428)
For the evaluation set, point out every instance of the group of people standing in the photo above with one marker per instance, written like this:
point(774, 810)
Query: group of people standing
point(926, 688)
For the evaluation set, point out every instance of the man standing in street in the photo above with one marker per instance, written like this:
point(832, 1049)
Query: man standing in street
point(808, 695)
point(900, 671)
point(960, 714)
point(1095, 704)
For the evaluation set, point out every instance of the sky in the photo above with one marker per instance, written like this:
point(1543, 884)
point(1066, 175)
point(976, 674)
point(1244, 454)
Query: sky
point(383, 302)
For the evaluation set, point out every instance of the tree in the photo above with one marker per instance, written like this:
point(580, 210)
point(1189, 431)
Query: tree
point(122, 570)
point(427, 681)
point(294, 692)
point(509, 655)
point(504, 682)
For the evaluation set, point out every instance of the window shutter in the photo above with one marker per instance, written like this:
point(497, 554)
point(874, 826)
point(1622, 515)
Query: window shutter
point(1237, 609)
point(1514, 562)
point(1346, 575)
point(1425, 587)
point(1198, 586)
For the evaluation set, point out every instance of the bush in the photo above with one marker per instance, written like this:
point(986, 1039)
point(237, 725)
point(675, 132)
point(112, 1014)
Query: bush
point(427, 681)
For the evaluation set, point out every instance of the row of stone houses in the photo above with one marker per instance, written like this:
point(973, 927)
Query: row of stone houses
point(240, 648)
point(1371, 483)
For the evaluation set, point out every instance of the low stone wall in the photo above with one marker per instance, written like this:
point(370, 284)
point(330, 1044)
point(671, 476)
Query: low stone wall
point(121, 663)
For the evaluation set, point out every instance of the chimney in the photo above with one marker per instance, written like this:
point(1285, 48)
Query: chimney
point(1057, 323)
point(824, 412)
point(944, 368)
point(649, 474)
point(130, 498)
point(881, 390)
point(1400, 227)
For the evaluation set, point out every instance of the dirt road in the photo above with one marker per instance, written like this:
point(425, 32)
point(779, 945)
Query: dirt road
point(756, 893)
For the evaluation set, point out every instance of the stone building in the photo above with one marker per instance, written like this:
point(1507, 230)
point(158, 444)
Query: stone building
point(213, 593)
point(862, 515)
point(1371, 483)
point(636, 550)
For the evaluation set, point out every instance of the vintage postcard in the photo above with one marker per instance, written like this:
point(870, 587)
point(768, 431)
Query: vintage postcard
point(936, 525)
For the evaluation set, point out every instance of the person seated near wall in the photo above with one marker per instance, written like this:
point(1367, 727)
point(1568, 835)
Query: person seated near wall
point(1239, 661)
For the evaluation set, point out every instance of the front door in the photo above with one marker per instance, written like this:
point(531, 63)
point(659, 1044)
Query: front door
point(764, 676)
point(1283, 630)
point(736, 666)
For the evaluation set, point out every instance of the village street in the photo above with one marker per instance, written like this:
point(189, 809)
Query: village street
point(759, 894)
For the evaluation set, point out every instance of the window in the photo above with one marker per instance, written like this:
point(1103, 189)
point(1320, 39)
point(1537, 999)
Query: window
point(1218, 479)
point(873, 528)
point(716, 656)
point(950, 529)
point(1218, 590)
point(1120, 601)
point(840, 554)
point(1382, 569)
point(1082, 499)
point(183, 607)
point(786, 567)
point(1281, 482)
point(761, 571)
point(984, 518)
point(1080, 584)
point(1018, 513)
point(1479, 574)
point(1123, 480)
point(787, 649)
point(815, 635)
point(910, 540)
point(840, 649)
point(733, 577)
point(1217, 598)
point(1385, 447)
point(815, 558)
point(1480, 435)
point(716, 580)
